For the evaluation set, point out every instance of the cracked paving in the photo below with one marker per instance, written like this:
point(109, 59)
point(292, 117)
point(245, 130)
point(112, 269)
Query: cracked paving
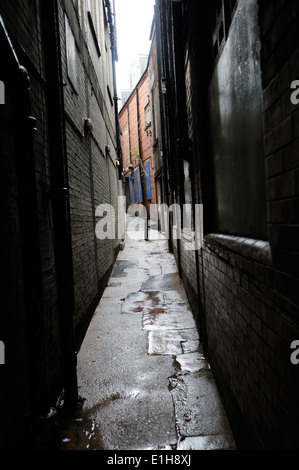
point(143, 378)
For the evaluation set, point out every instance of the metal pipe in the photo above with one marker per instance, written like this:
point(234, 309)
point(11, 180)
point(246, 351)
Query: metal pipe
point(115, 98)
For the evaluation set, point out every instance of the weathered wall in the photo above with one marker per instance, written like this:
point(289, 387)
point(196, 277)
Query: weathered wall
point(33, 321)
point(30, 318)
point(235, 96)
point(92, 172)
point(249, 298)
point(136, 141)
point(244, 290)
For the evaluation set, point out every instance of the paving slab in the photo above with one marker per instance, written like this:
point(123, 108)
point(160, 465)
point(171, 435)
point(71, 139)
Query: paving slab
point(172, 342)
point(198, 407)
point(174, 320)
point(192, 362)
point(223, 442)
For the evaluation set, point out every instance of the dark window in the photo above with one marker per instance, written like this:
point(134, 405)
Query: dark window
point(148, 115)
point(222, 13)
point(236, 123)
point(90, 13)
point(109, 94)
point(71, 54)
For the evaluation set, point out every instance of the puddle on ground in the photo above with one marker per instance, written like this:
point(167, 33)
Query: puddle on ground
point(120, 266)
point(137, 302)
point(81, 434)
point(133, 303)
point(159, 282)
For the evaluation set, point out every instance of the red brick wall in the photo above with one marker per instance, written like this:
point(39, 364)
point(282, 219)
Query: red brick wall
point(135, 141)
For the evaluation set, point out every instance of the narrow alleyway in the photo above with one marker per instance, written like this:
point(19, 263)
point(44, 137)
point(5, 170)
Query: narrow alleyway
point(143, 379)
point(206, 134)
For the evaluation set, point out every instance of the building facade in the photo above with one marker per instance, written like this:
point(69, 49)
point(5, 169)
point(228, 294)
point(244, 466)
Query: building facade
point(135, 121)
point(60, 160)
point(156, 97)
point(230, 146)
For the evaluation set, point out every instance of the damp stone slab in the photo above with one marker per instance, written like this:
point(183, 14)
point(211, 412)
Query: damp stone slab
point(177, 320)
point(121, 267)
point(163, 282)
point(192, 362)
point(172, 342)
point(134, 303)
point(198, 406)
point(220, 442)
point(174, 297)
point(137, 302)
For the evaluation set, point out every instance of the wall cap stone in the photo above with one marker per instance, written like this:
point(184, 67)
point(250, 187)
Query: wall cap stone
point(259, 250)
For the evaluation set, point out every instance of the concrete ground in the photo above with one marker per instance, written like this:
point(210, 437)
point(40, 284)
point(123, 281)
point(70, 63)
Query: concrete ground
point(142, 375)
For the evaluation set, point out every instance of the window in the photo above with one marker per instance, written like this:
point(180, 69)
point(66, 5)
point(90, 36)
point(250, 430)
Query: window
point(71, 54)
point(236, 123)
point(125, 129)
point(187, 216)
point(222, 13)
point(148, 115)
point(109, 95)
point(91, 13)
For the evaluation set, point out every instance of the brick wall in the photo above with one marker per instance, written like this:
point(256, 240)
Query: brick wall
point(155, 105)
point(136, 136)
point(280, 68)
point(93, 173)
point(244, 292)
point(31, 317)
point(249, 287)
point(31, 327)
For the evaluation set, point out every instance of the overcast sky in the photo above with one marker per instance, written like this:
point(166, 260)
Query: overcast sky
point(133, 24)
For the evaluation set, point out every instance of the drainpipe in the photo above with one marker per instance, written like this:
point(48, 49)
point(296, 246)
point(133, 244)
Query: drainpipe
point(113, 36)
point(59, 196)
point(129, 131)
point(163, 117)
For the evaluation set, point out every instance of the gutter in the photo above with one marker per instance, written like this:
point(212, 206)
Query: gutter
point(113, 39)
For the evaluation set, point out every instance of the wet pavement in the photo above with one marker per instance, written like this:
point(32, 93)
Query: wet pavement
point(143, 378)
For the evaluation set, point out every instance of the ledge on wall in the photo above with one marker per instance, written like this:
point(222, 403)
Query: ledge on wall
point(258, 250)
